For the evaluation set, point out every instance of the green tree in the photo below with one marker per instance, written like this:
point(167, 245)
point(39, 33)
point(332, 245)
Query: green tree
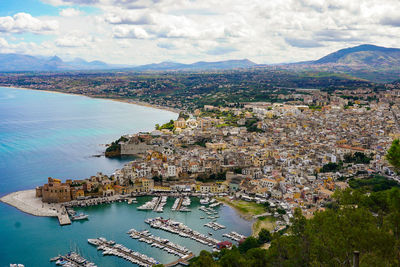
point(264, 236)
point(393, 155)
point(232, 258)
point(204, 259)
point(249, 243)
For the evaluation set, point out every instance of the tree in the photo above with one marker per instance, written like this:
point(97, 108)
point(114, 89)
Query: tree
point(249, 243)
point(264, 236)
point(393, 155)
point(204, 259)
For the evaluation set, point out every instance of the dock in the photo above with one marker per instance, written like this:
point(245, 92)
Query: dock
point(159, 207)
point(63, 217)
point(181, 230)
point(155, 241)
point(179, 204)
point(73, 259)
point(110, 248)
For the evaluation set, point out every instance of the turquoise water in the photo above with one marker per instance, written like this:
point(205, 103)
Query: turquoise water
point(46, 134)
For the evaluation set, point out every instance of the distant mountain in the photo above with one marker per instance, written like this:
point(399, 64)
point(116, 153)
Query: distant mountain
point(370, 62)
point(161, 66)
point(363, 55)
point(201, 65)
point(17, 62)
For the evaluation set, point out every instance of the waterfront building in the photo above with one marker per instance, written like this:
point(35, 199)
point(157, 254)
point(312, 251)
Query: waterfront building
point(54, 191)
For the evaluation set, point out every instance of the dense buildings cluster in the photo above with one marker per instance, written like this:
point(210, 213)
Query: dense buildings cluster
point(287, 154)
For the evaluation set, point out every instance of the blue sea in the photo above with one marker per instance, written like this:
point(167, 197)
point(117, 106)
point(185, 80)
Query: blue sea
point(46, 134)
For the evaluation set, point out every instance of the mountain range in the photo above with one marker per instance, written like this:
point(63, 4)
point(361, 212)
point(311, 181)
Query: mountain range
point(374, 63)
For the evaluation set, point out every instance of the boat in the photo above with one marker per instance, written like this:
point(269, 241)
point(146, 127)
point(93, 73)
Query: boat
point(81, 216)
point(209, 233)
point(55, 258)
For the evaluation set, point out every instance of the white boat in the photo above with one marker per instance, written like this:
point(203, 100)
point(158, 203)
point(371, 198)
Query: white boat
point(81, 216)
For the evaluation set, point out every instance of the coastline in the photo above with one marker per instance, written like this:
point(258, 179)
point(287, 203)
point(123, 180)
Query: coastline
point(256, 223)
point(26, 201)
point(122, 100)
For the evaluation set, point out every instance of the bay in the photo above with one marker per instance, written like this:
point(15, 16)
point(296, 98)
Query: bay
point(46, 134)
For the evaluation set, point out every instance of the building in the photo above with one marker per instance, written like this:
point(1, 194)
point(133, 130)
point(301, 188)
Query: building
point(54, 191)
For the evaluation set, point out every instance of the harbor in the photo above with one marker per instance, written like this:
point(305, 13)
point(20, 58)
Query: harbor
point(183, 253)
point(111, 248)
point(112, 218)
point(181, 204)
point(181, 230)
point(215, 226)
point(234, 236)
point(72, 259)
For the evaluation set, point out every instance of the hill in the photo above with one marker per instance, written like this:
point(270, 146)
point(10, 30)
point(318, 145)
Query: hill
point(18, 62)
point(370, 55)
point(201, 65)
point(369, 62)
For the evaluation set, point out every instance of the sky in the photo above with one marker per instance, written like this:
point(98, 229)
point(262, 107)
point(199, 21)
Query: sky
point(150, 31)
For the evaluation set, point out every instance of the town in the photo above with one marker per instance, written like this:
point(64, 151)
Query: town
point(283, 155)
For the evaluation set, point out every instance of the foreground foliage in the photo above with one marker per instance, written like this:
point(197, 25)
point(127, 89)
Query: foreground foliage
point(356, 221)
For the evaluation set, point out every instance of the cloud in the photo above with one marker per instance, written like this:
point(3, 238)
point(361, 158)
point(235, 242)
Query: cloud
point(188, 30)
point(3, 43)
point(128, 31)
point(129, 18)
point(74, 39)
point(166, 45)
point(70, 12)
point(69, 2)
point(23, 22)
point(302, 43)
point(221, 50)
point(393, 20)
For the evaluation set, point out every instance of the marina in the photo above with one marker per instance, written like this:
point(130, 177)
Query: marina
point(72, 259)
point(215, 226)
point(181, 230)
point(159, 207)
point(108, 219)
point(111, 248)
point(181, 204)
point(234, 236)
point(149, 205)
point(144, 236)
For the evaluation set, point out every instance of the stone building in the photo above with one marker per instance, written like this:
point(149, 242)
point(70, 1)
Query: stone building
point(54, 191)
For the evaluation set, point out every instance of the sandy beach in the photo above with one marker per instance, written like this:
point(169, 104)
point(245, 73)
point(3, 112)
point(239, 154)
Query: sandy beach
point(27, 202)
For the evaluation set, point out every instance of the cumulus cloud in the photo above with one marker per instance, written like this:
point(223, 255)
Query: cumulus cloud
point(74, 39)
point(129, 17)
point(302, 43)
point(70, 12)
point(128, 31)
point(24, 22)
point(221, 50)
point(266, 31)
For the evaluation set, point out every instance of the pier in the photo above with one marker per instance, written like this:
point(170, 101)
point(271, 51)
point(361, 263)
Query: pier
point(215, 226)
point(159, 207)
point(165, 244)
point(73, 259)
point(110, 248)
point(234, 236)
point(182, 230)
point(63, 217)
point(181, 204)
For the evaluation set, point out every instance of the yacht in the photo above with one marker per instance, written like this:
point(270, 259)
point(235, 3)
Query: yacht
point(81, 216)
